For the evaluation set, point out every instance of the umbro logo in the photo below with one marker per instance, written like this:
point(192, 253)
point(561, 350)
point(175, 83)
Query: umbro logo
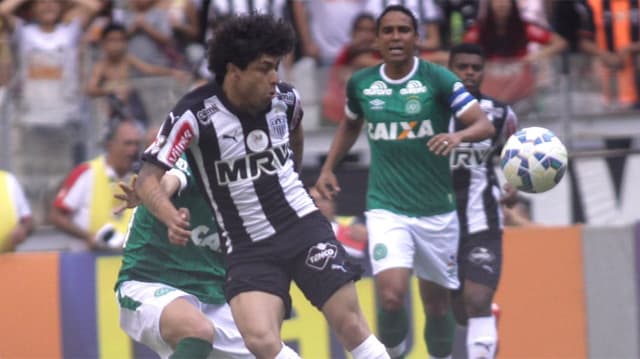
point(376, 104)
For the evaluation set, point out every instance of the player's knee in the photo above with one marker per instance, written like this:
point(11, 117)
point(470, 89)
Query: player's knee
point(262, 343)
point(477, 304)
point(391, 300)
point(437, 307)
point(196, 327)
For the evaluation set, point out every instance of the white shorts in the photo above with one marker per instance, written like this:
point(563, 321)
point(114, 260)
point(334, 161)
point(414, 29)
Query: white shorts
point(143, 323)
point(429, 245)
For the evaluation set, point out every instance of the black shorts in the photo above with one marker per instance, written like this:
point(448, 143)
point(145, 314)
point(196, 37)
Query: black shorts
point(307, 253)
point(480, 258)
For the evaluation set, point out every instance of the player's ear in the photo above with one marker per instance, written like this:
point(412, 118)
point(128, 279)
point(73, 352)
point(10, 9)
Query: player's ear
point(232, 69)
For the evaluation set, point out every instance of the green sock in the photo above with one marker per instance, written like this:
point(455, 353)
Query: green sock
point(192, 348)
point(393, 326)
point(438, 334)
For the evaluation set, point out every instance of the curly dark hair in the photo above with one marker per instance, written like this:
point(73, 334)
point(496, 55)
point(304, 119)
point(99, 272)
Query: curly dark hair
point(243, 39)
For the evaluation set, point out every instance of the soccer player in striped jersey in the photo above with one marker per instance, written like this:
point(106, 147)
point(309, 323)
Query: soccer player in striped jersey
point(171, 297)
point(411, 210)
point(243, 140)
point(478, 200)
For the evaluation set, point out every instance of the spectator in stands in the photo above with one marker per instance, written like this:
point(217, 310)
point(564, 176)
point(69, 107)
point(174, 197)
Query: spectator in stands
point(616, 30)
point(84, 206)
point(324, 26)
point(505, 37)
point(46, 112)
point(457, 16)
point(573, 20)
point(16, 223)
point(360, 52)
point(112, 75)
point(150, 33)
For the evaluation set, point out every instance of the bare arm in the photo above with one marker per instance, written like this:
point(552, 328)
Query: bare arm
point(296, 140)
point(93, 87)
point(190, 26)
point(7, 7)
point(346, 135)
point(478, 128)
point(557, 45)
point(62, 220)
point(149, 69)
point(154, 34)
point(18, 235)
point(156, 199)
point(84, 11)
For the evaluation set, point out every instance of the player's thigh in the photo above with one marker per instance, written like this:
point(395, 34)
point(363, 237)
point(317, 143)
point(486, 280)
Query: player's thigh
point(227, 342)
point(323, 268)
point(258, 315)
point(182, 319)
point(343, 314)
point(141, 306)
point(390, 242)
point(480, 260)
point(436, 247)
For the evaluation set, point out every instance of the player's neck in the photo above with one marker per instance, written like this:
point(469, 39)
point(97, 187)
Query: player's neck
point(237, 100)
point(395, 71)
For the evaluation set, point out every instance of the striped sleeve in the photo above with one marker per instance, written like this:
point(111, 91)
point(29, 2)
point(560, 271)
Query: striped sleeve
point(178, 132)
point(460, 99)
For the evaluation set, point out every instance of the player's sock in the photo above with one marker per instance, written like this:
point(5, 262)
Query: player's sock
point(192, 348)
point(482, 337)
point(439, 333)
point(287, 353)
point(393, 327)
point(370, 348)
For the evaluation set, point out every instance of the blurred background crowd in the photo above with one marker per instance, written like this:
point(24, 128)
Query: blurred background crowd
point(85, 83)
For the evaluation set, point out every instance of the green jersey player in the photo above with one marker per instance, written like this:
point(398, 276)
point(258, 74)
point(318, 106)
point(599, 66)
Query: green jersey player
point(171, 297)
point(411, 209)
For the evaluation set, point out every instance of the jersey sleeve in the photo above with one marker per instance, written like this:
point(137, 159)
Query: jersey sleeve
point(539, 34)
point(182, 172)
point(74, 190)
point(454, 92)
point(21, 203)
point(509, 127)
point(178, 132)
point(352, 108)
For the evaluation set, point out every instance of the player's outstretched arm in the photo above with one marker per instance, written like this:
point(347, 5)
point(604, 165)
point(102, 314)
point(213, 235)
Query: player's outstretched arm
point(156, 199)
point(169, 182)
point(346, 135)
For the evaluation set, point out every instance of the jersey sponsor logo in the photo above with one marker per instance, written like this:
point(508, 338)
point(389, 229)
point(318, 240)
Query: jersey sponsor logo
point(204, 115)
point(376, 104)
point(181, 142)
point(202, 236)
point(173, 118)
point(319, 255)
point(469, 157)
point(378, 88)
point(399, 130)
point(412, 106)
point(288, 97)
point(413, 87)
point(252, 166)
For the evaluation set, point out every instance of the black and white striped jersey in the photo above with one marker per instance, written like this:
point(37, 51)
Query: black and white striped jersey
point(474, 178)
point(243, 163)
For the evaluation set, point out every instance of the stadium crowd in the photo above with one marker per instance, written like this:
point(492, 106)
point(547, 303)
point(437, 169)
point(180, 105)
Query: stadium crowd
point(69, 68)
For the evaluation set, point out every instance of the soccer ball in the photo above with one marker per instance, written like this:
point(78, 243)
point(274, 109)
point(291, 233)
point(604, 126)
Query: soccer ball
point(533, 160)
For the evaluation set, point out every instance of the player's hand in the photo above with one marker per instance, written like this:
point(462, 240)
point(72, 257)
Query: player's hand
point(179, 228)
point(129, 196)
point(443, 143)
point(509, 196)
point(327, 185)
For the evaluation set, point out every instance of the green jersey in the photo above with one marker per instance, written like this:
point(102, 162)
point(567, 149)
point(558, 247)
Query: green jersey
point(405, 177)
point(196, 268)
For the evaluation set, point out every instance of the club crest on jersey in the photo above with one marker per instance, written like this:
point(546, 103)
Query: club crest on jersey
point(413, 87)
point(257, 141)
point(277, 123)
point(205, 114)
point(376, 104)
point(319, 255)
point(378, 88)
point(412, 106)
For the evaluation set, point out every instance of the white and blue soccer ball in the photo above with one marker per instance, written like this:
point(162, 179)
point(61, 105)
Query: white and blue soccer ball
point(533, 160)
